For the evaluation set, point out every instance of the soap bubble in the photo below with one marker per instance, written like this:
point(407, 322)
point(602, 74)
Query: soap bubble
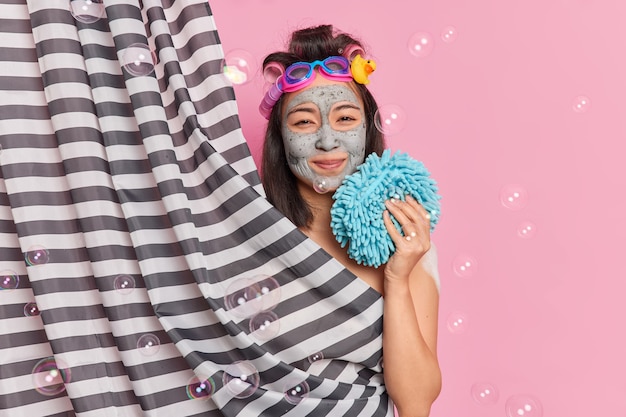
point(265, 325)
point(246, 297)
point(296, 392)
point(9, 280)
point(49, 378)
point(87, 11)
point(124, 284)
point(523, 406)
point(200, 390)
point(269, 291)
point(322, 185)
point(390, 119)
point(484, 393)
point(464, 266)
point(241, 379)
point(314, 357)
point(449, 34)
point(513, 196)
point(148, 344)
point(37, 255)
point(241, 298)
point(421, 44)
point(239, 66)
point(457, 322)
point(581, 104)
point(31, 309)
point(526, 230)
point(137, 59)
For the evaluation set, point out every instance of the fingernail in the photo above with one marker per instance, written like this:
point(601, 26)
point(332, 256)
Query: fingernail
point(409, 198)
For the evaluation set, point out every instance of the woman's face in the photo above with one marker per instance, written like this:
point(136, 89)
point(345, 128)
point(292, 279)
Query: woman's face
point(324, 131)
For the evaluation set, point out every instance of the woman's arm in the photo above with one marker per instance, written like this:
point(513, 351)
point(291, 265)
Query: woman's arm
point(410, 321)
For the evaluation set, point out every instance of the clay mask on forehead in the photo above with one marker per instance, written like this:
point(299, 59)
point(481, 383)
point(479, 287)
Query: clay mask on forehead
point(300, 147)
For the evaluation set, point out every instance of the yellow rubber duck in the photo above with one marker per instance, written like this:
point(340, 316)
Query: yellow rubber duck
point(361, 69)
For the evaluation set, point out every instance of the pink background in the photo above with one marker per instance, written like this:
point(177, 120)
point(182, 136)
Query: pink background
point(495, 109)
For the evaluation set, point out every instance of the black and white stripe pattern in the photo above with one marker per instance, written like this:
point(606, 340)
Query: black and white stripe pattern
point(133, 218)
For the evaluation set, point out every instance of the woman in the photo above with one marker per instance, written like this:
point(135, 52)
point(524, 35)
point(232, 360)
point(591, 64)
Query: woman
point(321, 127)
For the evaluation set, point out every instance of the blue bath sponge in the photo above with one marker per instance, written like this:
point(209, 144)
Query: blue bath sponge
point(357, 212)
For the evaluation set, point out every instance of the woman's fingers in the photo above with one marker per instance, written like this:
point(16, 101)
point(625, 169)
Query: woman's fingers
point(391, 228)
point(424, 215)
point(414, 240)
point(409, 212)
point(413, 220)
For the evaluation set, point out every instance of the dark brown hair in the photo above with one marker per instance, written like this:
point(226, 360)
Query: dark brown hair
point(310, 44)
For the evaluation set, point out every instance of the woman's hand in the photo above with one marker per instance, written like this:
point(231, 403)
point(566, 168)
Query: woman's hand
point(410, 247)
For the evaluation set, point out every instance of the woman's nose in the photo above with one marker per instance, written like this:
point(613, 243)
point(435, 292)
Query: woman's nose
point(326, 140)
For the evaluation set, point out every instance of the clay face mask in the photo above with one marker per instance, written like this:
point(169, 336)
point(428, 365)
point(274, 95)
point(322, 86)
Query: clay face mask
point(333, 145)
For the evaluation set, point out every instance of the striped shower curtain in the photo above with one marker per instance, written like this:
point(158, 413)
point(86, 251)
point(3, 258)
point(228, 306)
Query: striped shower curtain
point(142, 271)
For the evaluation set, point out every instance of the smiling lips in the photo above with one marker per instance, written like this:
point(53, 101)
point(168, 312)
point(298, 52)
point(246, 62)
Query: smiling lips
point(329, 166)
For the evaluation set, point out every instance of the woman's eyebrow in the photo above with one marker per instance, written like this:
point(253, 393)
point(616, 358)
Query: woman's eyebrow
point(344, 106)
point(305, 108)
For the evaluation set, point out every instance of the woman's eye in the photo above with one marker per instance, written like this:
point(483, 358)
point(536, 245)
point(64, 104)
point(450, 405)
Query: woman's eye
point(346, 119)
point(303, 125)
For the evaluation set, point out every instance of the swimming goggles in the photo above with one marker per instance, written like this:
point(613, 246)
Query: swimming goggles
point(300, 75)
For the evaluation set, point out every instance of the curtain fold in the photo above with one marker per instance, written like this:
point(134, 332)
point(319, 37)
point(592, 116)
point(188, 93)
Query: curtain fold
point(142, 270)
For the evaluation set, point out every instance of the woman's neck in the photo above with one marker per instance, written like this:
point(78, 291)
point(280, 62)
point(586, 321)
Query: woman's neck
point(320, 205)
